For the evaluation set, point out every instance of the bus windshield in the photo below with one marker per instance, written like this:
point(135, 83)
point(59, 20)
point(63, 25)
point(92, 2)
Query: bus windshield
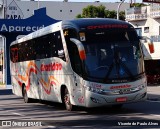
point(112, 54)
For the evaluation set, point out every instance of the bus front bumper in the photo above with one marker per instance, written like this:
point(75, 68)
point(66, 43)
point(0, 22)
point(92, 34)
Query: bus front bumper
point(98, 100)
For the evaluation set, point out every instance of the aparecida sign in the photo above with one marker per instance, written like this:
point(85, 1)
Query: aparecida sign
point(6, 28)
point(152, 1)
point(38, 21)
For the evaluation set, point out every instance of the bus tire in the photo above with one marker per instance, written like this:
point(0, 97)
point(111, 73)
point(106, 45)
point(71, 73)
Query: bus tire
point(25, 96)
point(67, 101)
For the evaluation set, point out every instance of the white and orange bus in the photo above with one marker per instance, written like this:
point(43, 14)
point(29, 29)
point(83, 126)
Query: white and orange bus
point(82, 62)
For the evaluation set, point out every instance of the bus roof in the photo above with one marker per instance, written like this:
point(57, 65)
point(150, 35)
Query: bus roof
point(84, 22)
point(78, 24)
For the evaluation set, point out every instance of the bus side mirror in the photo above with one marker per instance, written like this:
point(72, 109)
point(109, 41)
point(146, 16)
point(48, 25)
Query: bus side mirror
point(149, 42)
point(151, 47)
point(80, 47)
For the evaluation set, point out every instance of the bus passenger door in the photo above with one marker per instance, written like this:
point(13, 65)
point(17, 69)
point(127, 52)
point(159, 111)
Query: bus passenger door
point(76, 64)
point(78, 90)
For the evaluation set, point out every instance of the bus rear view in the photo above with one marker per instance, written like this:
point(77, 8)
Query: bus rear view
point(112, 64)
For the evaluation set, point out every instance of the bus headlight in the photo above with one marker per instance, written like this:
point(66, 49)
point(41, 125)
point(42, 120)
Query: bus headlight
point(93, 89)
point(140, 87)
point(115, 92)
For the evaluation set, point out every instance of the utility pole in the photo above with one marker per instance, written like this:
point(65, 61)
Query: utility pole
point(38, 4)
point(119, 8)
point(5, 8)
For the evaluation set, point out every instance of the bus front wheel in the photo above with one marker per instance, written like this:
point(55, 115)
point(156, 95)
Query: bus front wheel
point(67, 101)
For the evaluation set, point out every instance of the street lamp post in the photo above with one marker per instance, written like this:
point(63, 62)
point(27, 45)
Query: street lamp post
point(119, 8)
point(38, 4)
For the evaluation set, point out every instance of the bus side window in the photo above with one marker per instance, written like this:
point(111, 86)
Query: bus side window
point(14, 54)
point(20, 46)
point(57, 46)
point(39, 48)
point(60, 52)
point(53, 45)
point(46, 46)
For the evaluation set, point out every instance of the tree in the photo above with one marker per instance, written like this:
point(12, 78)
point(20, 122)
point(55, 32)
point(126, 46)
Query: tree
point(79, 16)
point(122, 15)
point(90, 12)
point(138, 5)
point(110, 14)
point(99, 12)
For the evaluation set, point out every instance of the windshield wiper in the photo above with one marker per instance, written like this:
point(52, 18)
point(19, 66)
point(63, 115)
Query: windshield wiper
point(126, 69)
point(109, 71)
point(118, 64)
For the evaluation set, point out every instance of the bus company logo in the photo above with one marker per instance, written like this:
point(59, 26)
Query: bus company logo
point(107, 26)
point(51, 67)
point(95, 85)
point(120, 87)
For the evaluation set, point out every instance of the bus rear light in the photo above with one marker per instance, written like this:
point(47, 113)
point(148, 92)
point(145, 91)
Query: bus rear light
point(121, 99)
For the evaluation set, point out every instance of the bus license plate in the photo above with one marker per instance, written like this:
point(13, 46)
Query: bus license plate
point(121, 99)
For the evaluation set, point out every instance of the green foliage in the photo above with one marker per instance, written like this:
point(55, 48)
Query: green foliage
point(79, 16)
point(122, 15)
point(110, 14)
point(90, 11)
point(138, 5)
point(99, 12)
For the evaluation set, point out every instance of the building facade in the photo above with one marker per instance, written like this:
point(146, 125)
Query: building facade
point(146, 20)
point(16, 9)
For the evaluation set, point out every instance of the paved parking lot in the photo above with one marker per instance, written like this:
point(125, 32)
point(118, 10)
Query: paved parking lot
point(153, 93)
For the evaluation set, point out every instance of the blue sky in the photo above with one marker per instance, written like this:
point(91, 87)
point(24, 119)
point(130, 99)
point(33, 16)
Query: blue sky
point(138, 1)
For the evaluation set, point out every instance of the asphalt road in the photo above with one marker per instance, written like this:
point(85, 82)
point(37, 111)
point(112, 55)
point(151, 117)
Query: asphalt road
point(42, 115)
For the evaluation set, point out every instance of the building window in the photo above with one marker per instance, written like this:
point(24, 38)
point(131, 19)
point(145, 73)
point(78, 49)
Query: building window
point(139, 31)
point(146, 29)
point(60, 10)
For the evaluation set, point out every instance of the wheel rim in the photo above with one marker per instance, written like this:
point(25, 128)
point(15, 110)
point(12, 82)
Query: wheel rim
point(67, 101)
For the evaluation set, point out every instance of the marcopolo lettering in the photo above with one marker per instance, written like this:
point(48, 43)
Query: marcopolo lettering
point(51, 67)
point(5, 28)
point(120, 87)
point(107, 26)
